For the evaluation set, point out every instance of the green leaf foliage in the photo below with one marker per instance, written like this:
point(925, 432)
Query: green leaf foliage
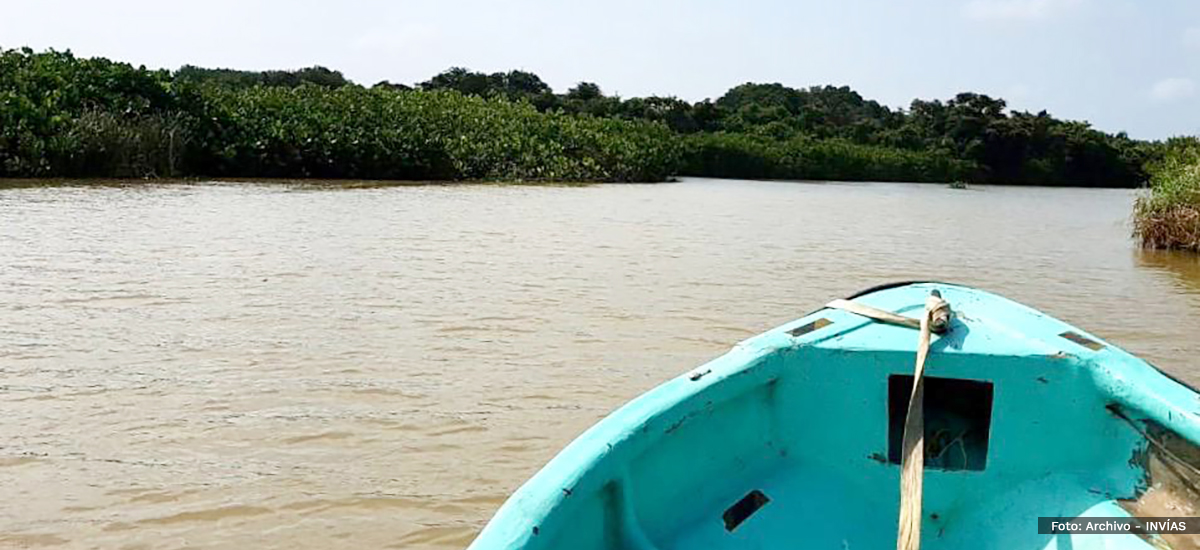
point(62, 115)
point(1167, 215)
point(66, 116)
point(763, 157)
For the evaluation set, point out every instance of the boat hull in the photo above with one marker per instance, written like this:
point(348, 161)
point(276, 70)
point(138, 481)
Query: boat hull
point(790, 440)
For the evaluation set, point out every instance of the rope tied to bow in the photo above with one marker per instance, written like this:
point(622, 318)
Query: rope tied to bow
point(935, 320)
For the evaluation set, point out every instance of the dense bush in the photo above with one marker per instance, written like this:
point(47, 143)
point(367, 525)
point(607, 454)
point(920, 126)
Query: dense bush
point(1168, 214)
point(67, 116)
point(351, 132)
point(42, 96)
point(743, 155)
point(318, 76)
point(62, 115)
point(1003, 146)
point(111, 144)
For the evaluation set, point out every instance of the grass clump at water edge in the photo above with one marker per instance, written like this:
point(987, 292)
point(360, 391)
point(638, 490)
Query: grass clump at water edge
point(1168, 214)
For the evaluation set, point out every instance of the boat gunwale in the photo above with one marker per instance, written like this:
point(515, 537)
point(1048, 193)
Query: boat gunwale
point(517, 520)
point(898, 284)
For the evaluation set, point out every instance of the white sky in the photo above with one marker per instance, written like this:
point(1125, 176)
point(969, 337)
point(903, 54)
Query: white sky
point(1130, 65)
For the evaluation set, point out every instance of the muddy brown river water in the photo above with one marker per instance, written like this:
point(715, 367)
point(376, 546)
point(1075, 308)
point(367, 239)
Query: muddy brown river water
point(254, 366)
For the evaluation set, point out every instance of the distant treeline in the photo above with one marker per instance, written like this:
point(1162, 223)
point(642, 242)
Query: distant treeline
point(66, 116)
point(827, 132)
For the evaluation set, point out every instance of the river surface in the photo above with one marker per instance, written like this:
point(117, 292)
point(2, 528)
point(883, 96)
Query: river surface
point(250, 366)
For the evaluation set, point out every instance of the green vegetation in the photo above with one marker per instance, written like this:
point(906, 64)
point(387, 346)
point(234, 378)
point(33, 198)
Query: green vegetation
point(67, 116)
point(1168, 215)
point(751, 156)
point(351, 132)
point(827, 132)
point(317, 76)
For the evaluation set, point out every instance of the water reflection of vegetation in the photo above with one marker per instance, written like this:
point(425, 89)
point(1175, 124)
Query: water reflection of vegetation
point(1184, 267)
point(301, 184)
point(324, 185)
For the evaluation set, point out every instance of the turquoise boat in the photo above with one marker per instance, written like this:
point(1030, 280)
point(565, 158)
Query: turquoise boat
point(793, 439)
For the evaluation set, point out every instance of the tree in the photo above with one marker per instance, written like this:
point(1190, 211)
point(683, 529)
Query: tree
point(463, 80)
point(585, 91)
point(315, 75)
point(386, 85)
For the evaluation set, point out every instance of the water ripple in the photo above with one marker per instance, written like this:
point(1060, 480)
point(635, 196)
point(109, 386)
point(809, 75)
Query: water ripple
point(313, 366)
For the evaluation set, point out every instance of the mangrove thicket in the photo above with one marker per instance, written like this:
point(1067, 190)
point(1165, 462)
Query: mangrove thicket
point(62, 115)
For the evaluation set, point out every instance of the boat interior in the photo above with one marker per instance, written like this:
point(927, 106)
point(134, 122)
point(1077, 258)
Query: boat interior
point(792, 440)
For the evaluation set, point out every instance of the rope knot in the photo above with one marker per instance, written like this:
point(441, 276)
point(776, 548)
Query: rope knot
point(939, 313)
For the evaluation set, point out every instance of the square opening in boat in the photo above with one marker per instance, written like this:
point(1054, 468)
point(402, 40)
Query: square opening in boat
point(958, 421)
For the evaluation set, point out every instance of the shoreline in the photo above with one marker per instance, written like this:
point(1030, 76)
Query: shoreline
point(355, 183)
